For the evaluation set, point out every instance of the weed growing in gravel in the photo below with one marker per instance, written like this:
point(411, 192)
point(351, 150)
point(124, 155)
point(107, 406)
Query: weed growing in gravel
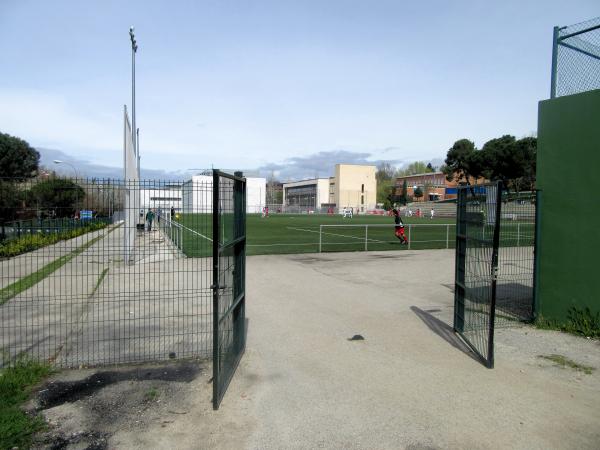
point(563, 361)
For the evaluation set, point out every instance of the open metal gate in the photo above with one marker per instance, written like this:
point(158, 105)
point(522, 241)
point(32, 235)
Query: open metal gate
point(229, 278)
point(477, 242)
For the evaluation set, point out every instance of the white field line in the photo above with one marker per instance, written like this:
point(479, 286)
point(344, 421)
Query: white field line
point(177, 224)
point(362, 239)
point(280, 244)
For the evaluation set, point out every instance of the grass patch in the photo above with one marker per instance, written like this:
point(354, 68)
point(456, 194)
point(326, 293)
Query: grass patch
point(563, 361)
point(581, 322)
point(28, 281)
point(151, 394)
point(16, 427)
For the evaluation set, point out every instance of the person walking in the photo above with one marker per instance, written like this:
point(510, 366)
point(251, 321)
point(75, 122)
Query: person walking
point(172, 213)
point(399, 228)
point(149, 219)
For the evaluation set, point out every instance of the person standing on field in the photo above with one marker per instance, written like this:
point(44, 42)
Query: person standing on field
point(432, 213)
point(150, 219)
point(399, 228)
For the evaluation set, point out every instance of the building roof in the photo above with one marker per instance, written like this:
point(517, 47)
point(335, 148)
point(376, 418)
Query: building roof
point(421, 174)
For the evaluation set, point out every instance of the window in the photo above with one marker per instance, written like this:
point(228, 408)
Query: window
point(362, 188)
point(362, 199)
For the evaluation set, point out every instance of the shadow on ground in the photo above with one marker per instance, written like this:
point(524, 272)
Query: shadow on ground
point(444, 331)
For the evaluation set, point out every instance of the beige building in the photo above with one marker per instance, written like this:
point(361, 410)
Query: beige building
point(353, 186)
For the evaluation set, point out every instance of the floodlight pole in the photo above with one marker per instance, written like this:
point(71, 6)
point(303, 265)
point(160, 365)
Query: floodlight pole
point(133, 52)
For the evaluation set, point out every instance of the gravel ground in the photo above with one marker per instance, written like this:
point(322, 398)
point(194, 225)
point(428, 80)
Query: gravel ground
point(303, 384)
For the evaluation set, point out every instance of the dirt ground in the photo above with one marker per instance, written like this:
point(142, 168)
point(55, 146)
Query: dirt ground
point(302, 384)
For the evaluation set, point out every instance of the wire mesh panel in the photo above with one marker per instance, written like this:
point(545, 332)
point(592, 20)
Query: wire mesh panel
point(477, 240)
point(576, 58)
point(229, 279)
point(514, 289)
point(83, 286)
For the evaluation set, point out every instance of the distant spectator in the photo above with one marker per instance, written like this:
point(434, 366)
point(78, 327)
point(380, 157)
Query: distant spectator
point(150, 219)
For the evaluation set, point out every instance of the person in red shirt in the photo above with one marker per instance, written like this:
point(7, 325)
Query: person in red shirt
point(399, 228)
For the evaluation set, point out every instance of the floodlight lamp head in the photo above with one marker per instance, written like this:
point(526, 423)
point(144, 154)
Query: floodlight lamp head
point(57, 161)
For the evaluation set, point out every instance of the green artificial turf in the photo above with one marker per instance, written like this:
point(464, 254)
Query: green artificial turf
point(286, 233)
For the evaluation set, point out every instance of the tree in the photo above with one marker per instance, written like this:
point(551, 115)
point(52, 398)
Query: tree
point(404, 195)
point(418, 192)
point(528, 148)
point(11, 200)
point(430, 168)
point(511, 161)
point(385, 171)
point(18, 160)
point(414, 168)
point(458, 159)
point(57, 197)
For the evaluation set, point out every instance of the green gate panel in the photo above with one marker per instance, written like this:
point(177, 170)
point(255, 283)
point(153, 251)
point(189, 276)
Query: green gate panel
point(568, 174)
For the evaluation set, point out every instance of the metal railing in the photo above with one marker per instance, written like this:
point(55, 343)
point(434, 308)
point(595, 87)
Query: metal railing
point(431, 236)
point(378, 238)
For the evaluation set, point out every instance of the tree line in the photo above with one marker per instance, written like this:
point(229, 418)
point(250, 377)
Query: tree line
point(27, 191)
point(507, 159)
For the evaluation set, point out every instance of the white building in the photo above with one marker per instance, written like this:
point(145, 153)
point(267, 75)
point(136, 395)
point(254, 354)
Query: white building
point(197, 194)
point(163, 198)
point(354, 187)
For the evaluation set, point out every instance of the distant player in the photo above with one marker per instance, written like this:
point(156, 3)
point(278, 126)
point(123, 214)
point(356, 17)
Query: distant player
point(399, 228)
point(432, 213)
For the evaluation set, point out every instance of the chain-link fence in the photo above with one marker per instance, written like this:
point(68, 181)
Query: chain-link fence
point(576, 58)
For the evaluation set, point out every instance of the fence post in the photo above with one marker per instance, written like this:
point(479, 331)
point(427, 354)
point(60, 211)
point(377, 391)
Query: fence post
point(366, 237)
point(518, 234)
point(447, 236)
point(320, 233)
point(409, 235)
point(554, 62)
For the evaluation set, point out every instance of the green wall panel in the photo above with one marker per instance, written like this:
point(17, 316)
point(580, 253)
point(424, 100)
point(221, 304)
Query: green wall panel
point(568, 174)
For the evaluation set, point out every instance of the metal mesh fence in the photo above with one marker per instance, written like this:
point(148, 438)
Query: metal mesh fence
point(477, 238)
point(514, 287)
point(576, 58)
point(76, 291)
point(229, 279)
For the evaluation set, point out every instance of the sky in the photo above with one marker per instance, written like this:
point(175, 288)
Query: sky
point(287, 86)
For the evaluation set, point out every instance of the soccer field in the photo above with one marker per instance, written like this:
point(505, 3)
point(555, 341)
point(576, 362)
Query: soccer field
point(287, 233)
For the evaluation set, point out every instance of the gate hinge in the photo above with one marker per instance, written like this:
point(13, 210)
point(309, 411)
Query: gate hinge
point(495, 274)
